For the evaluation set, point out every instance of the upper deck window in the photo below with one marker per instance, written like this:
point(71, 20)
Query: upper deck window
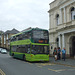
point(40, 34)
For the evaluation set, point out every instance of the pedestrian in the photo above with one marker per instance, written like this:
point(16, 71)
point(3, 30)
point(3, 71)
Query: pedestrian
point(63, 53)
point(58, 53)
point(55, 53)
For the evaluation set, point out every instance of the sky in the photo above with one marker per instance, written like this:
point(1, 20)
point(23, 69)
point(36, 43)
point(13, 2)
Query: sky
point(22, 14)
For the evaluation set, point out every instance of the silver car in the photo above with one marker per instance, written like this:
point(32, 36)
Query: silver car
point(4, 51)
point(0, 50)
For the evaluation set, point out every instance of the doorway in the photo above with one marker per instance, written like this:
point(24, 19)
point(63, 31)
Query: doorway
point(73, 46)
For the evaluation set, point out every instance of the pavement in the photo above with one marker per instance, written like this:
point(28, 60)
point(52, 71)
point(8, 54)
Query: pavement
point(68, 62)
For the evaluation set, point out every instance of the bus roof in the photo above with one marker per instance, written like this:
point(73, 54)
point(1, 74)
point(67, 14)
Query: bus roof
point(29, 30)
point(39, 29)
point(16, 34)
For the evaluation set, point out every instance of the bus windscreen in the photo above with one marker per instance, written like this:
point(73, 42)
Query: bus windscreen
point(40, 49)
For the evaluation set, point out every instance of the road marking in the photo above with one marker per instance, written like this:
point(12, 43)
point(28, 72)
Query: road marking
point(39, 66)
point(30, 63)
point(2, 73)
point(45, 64)
point(53, 70)
point(65, 65)
point(58, 71)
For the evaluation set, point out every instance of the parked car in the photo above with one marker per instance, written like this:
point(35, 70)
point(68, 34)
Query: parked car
point(4, 51)
point(0, 50)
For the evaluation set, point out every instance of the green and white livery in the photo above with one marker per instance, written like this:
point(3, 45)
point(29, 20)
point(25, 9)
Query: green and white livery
point(30, 45)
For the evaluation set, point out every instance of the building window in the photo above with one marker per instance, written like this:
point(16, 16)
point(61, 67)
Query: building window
point(4, 39)
point(57, 19)
point(57, 41)
point(72, 13)
point(7, 36)
point(1, 39)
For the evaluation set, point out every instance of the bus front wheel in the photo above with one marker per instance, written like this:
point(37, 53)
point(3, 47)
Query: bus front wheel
point(12, 54)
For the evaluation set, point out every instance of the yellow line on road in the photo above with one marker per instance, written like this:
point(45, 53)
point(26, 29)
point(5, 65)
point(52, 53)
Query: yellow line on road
point(45, 64)
point(30, 63)
point(58, 71)
point(51, 69)
point(39, 66)
point(65, 65)
point(2, 73)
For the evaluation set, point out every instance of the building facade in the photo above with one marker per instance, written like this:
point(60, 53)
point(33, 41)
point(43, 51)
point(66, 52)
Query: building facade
point(1, 32)
point(62, 25)
point(5, 38)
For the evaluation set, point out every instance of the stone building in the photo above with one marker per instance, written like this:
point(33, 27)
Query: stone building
point(62, 25)
point(1, 32)
point(6, 36)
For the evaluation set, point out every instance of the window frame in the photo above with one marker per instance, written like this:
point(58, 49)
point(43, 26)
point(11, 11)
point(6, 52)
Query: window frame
point(72, 13)
point(57, 19)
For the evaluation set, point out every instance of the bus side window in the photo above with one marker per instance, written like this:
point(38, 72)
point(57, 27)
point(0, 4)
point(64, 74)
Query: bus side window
point(26, 35)
point(13, 48)
point(20, 37)
point(26, 49)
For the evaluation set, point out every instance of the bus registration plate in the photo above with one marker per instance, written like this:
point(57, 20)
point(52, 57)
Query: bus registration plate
point(41, 60)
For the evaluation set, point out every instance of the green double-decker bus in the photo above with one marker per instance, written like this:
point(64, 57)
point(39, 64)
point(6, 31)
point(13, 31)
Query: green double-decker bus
point(30, 45)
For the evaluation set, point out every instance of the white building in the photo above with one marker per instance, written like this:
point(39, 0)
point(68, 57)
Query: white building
point(62, 25)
